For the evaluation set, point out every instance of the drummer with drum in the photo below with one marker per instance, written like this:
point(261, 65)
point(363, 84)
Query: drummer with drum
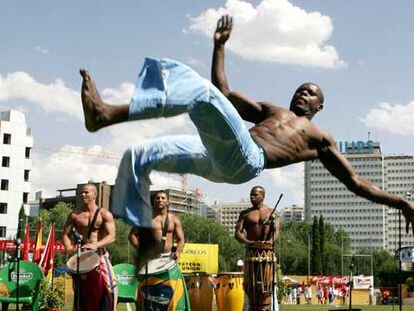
point(94, 228)
point(258, 230)
point(165, 228)
point(161, 283)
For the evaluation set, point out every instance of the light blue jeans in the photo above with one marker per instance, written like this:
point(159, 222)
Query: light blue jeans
point(222, 152)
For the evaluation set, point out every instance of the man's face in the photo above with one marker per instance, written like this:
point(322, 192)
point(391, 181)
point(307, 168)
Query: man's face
point(256, 196)
point(161, 200)
point(88, 194)
point(307, 100)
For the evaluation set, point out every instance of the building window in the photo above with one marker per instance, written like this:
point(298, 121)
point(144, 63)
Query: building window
point(3, 208)
point(4, 184)
point(25, 197)
point(5, 161)
point(7, 139)
point(27, 152)
point(2, 232)
point(26, 175)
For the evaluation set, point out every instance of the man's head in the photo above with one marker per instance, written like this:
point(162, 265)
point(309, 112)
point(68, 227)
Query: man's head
point(307, 100)
point(257, 195)
point(161, 200)
point(88, 194)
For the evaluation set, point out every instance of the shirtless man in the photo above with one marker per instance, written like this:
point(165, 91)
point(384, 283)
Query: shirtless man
point(173, 232)
point(225, 150)
point(254, 226)
point(101, 235)
point(251, 221)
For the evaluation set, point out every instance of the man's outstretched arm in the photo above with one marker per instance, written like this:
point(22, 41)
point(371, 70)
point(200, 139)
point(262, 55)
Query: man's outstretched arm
point(339, 167)
point(248, 109)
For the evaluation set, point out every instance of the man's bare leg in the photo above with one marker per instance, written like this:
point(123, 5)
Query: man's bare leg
point(97, 113)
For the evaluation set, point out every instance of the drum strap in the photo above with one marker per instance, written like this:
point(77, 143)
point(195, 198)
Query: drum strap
point(90, 229)
point(164, 232)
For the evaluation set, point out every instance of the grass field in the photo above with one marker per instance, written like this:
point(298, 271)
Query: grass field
point(343, 307)
point(123, 307)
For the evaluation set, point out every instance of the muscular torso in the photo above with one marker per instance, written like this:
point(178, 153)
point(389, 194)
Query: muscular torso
point(81, 219)
point(157, 228)
point(285, 137)
point(252, 223)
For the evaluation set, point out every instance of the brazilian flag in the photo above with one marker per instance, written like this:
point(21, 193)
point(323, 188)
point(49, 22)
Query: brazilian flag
point(164, 291)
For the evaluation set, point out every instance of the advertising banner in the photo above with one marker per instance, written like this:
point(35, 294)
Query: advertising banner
point(199, 258)
point(363, 282)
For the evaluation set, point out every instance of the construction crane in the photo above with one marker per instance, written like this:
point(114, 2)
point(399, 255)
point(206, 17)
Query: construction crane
point(100, 154)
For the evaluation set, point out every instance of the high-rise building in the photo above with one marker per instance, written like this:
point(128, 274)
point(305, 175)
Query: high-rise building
point(399, 177)
point(16, 142)
point(366, 223)
point(228, 213)
point(293, 213)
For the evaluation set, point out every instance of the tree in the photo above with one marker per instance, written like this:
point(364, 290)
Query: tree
point(121, 251)
point(322, 243)
point(21, 223)
point(316, 265)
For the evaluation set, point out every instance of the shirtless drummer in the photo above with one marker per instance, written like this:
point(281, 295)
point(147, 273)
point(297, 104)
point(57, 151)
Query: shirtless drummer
point(96, 226)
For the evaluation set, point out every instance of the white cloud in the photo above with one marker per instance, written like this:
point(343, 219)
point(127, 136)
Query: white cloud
point(120, 95)
point(395, 118)
point(72, 165)
point(276, 31)
point(54, 97)
point(69, 166)
point(41, 50)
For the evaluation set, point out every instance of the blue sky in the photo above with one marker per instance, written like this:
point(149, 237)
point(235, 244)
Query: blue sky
point(359, 52)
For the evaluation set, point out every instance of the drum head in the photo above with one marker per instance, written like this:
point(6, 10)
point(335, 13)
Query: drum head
point(158, 265)
point(87, 262)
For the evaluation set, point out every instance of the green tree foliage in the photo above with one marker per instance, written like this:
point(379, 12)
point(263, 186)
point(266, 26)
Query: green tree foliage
point(57, 215)
point(21, 223)
point(294, 250)
point(322, 244)
point(316, 263)
point(121, 251)
point(199, 229)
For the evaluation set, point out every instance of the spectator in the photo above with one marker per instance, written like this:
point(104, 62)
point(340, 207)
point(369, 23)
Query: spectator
point(294, 295)
point(371, 295)
point(308, 294)
point(331, 295)
point(299, 294)
point(319, 295)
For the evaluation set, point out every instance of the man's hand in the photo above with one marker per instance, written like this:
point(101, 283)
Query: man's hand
point(90, 246)
point(408, 212)
point(223, 30)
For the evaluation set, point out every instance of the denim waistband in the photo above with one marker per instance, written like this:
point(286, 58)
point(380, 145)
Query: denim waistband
point(264, 153)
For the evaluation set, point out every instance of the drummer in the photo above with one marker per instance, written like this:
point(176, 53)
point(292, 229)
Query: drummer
point(166, 228)
point(96, 227)
point(253, 225)
point(249, 226)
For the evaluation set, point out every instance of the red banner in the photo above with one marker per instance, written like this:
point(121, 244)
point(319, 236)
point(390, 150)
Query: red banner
point(10, 246)
point(330, 280)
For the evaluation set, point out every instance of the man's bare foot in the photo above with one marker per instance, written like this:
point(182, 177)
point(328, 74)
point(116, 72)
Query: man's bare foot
point(96, 112)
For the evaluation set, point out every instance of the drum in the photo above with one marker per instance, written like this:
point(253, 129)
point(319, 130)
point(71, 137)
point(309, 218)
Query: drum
point(88, 261)
point(162, 286)
point(91, 285)
point(407, 258)
point(230, 294)
point(200, 291)
point(258, 275)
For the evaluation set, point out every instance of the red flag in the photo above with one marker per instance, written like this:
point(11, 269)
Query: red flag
point(46, 261)
point(37, 252)
point(26, 244)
